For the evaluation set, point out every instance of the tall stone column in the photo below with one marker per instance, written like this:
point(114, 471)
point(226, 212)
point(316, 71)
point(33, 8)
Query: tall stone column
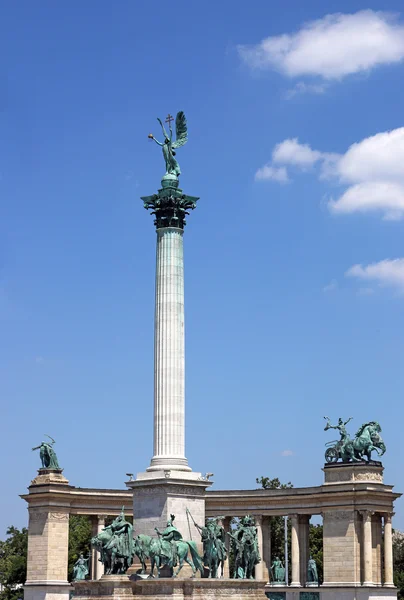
point(304, 547)
point(169, 356)
point(388, 551)
point(295, 552)
point(48, 539)
point(226, 525)
point(97, 568)
point(259, 573)
point(367, 548)
point(169, 486)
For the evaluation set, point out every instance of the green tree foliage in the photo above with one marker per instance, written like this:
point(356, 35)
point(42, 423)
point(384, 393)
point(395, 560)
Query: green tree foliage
point(316, 548)
point(398, 562)
point(79, 539)
point(13, 563)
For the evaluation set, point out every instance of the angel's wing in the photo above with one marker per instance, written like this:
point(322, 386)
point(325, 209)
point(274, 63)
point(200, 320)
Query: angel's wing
point(181, 130)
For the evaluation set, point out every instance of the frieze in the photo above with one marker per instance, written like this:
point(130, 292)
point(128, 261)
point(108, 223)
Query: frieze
point(369, 477)
point(339, 515)
point(172, 490)
point(36, 516)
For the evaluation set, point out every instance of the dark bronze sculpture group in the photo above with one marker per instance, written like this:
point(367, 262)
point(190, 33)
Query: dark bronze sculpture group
point(118, 547)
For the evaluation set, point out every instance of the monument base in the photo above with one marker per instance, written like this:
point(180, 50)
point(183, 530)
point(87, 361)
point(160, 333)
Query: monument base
point(115, 587)
point(43, 590)
point(158, 495)
point(330, 593)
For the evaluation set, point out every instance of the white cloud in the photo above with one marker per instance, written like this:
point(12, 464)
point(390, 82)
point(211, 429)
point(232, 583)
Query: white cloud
point(366, 291)
point(306, 88)
point(287, 453)
point(385, 273)
point(331, 287)
point(266, 172)
point(332, 47)
point(372, 169)
point(293, 153)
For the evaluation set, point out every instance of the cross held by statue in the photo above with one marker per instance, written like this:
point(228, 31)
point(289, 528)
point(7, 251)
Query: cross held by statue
point(169, 119)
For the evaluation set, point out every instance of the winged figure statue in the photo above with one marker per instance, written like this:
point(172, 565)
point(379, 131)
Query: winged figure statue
point(169, 146)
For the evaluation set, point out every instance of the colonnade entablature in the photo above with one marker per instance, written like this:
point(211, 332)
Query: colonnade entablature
point(355, 505)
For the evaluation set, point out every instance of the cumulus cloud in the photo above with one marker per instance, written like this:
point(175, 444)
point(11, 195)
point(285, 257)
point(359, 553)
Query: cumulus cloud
point(332, 47)
point(384, 273)
point(371, 171)
point(266, 172)
point(306, 88)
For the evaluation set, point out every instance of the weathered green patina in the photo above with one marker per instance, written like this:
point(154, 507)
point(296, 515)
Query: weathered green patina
point(214, 547)
point(116, 546)
point(309, 596)
point(169, 549)
point(312, 575)
point(47, 454)
point(367, 440)
point(80, 569)
point(276, 595)
point(170, 205)
point(168, 146)
point(245, 546)
point(277, 571)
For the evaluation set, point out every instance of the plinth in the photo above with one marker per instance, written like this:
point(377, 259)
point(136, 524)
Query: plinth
point(117, 587)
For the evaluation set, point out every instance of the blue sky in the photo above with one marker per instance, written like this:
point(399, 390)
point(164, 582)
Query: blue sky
point(294, 283)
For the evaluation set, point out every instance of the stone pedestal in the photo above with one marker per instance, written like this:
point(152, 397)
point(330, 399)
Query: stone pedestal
point(48, 535)
point(118, 587)
point(157, 495)
point(339, 593)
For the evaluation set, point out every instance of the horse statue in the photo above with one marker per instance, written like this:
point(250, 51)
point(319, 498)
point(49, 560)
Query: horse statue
point(115, 545)
point(171, 550)
point(214, 547)
point(367, 440)
point(141, 547)
point(245, 549)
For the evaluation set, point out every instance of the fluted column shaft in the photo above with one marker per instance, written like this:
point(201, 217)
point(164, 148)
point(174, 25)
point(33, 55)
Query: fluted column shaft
point(388, 551)
point(295, 552)
point(259, 572)
point(169, 356)
point(367, 548)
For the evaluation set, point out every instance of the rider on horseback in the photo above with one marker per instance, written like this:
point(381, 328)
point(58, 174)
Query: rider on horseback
point(168, 537)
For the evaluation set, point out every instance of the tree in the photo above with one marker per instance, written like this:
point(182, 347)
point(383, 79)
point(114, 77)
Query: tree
point(398, 562)
point(13, 563)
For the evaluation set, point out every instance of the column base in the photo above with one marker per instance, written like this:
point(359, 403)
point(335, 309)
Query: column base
point(169, 463)
point(295, 585)
point(47, 590)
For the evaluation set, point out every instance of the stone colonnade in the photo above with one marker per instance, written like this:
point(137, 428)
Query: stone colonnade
point(373, 569)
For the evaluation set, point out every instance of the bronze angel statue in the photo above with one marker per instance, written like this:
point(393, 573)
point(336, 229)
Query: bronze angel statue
point(168, 146)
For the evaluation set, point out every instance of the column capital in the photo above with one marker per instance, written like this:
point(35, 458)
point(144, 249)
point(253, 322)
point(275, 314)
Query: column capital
point(258, 519)
point(170, 205)
point(388, 516)
point(366, 514)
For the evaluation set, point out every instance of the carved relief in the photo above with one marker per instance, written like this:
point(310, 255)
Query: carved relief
point(339, 515)
point(39, 515)
point(171, 490)
point(369, 477)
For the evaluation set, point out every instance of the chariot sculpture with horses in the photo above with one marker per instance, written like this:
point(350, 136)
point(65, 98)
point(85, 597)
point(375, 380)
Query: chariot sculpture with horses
point(367, 439)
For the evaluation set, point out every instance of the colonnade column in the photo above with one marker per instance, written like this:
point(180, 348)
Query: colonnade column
point(266, 551)
point(226, 526)
point(295, 552)
point(367, 548)
point(259, 572)
point(388, 551)
point(97, 568)
point(304, 547)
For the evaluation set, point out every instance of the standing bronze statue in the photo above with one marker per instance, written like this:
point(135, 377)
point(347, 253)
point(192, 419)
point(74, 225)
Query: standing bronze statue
point(245, 547)
point(169, 146)
point(80, 569)
point(278, 571)
point(47, 454)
